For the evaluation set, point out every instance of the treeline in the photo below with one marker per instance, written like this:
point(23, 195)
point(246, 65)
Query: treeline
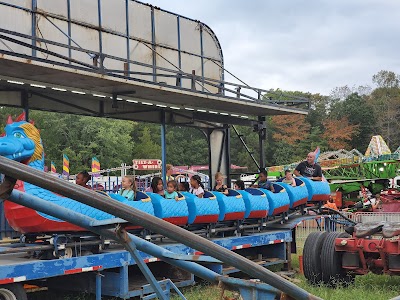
point(347, 118)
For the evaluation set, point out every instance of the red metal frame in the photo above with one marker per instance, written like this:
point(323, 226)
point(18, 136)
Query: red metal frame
point(234, 216)
point(300, 202)
point(206, 219)
point(372, 253)
point(280, 210)
point(321, 197)
point(258, 214)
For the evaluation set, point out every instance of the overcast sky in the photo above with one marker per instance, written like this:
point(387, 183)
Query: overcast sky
point(306, 45)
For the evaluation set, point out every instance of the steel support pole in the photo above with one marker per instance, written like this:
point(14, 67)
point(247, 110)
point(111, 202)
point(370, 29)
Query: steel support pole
point(100, 33)
point(153, 44)
point(25, 104)
point(163, 149)
point(69, 30)
point(261, 140)
point(178, 25)
point(128, 55)
point(221, 151)
point(47, 181)
point(131, 247)
point(227, 154)
point(208, 133)
point(34, 24)
point(98, 286)
point(202, 56)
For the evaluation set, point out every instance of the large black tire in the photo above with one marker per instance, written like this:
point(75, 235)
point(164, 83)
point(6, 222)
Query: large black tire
point(14, 291)
point(332, 272)
point(312, 257)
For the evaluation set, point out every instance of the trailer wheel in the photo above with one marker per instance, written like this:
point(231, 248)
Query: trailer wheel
point(332, 272)
point(13, 291)
point(312, 257)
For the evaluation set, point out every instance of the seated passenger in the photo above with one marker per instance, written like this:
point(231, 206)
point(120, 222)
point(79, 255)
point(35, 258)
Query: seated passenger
point(372, 203)
point(128, 188)
point(196, 187)
point(171, 193)
point(156, 186)
point(183, 186)
point(168, 172)
point(309, 168)
point(239, 185)
point(331, 204)
point(289, 178)
point(263, 182)
point(219, 185)
point(82, 179)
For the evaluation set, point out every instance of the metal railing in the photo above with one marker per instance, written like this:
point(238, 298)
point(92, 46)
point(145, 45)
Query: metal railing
point(329, 223)
point(335, 223)
point(364, 217)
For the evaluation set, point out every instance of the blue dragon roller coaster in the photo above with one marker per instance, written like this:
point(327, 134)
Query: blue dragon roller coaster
point(239, 221)
point(22, 143)
point(99, 66)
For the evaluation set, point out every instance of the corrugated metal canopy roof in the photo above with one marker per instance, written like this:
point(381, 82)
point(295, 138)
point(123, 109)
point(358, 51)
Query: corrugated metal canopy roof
point(88, 89)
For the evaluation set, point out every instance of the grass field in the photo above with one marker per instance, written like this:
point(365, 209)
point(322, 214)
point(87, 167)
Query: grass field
point(368, 287)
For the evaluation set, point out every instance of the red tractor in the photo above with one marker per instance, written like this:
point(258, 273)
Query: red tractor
point(336, 257)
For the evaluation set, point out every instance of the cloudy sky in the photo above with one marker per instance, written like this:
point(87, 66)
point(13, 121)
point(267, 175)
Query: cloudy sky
point(306, 45)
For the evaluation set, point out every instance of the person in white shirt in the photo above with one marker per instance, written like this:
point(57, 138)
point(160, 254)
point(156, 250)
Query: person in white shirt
point(373, 201)
point(168, 173)
point(289, 178)
point(196, 187)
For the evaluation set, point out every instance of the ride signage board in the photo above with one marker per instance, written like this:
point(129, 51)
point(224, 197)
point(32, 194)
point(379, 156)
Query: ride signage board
point(147, 164)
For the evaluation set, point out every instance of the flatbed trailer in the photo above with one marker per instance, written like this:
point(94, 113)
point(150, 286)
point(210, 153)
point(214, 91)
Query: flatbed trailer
point(115, 273)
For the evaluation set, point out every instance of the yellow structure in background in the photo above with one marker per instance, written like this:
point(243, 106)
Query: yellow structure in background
point(377, 146)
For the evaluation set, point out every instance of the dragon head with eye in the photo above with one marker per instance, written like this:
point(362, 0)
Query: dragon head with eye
point(21, 142)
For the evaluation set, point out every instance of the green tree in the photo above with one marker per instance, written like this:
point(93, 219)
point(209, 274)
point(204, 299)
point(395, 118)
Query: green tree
point(359, 112)
point(81, 138)
point(146, 147)
point(283, 153)
point(385, 101)
point(186, 146)
point(311, 142)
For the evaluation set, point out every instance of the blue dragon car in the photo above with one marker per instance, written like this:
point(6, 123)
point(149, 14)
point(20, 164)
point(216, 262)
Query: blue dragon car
point(171, 210)
point(142, 202)
point(231, 206)
point(202, 210)
point(279, 201)
point(256, 203)
point(298, 194)
point(317, 190)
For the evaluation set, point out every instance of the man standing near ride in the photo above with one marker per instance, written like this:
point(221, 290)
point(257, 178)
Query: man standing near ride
point(309, 168)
